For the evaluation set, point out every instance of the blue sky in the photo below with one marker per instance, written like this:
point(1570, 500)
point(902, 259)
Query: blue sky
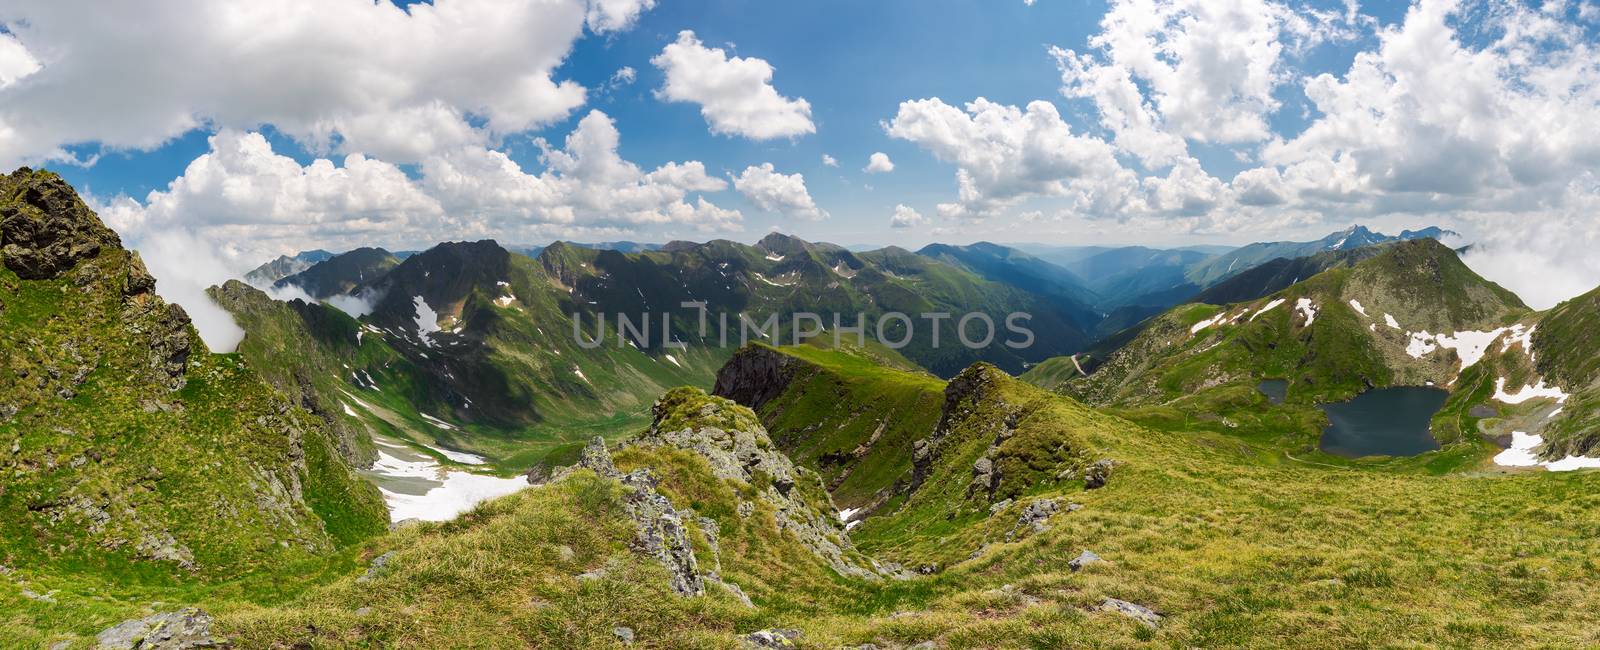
point(853, 61)
point(1164, 122)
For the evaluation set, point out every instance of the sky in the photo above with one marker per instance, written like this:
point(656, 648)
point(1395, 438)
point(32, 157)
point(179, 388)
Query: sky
point(216, 134)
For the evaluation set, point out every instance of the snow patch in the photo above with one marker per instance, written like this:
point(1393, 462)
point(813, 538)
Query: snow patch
point(460, 456)
point(774, 257)
point(1421, 343)
point(427, 320)
point(1356, 305)
point(438, 422)
point(1207, 323)
point(847, 514)
point(455, 492)
point(348, 411)
point(674, 361)
point(1270, 306)
point(1528, 392)
point(1520, 454)
point(1469, 345)
point(1307, 309)
point(1391, 322)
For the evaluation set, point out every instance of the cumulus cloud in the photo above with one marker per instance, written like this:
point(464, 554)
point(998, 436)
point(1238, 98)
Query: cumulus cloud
point(776, 192)
point(879, 163)
point(829, 161)
point(586, 182)
point(1005, 154)
point(906, 217)
point(1161, 72)
point(342, 76)
point(241, 190)
point(735, 94)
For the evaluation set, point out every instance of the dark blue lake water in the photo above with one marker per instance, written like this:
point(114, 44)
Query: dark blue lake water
point(1276, 390)
point(1383, 422)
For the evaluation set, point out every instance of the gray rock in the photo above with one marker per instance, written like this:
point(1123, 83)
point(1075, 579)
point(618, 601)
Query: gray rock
point(1136, 612)
point(180, 630)
point(623, 634)
point(48, 229)
point(595, 457)
point(1084, 559)
point(997, 507)
point(661, 532)
point(1096, 476)
point(1032, 519)
point(377, 567)
point(751, 457)
point(771, 638)
point(925, 645)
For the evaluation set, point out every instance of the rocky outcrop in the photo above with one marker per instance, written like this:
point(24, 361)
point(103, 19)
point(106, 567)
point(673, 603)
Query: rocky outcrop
point(737, 447)
point(961, 395)
point(756, 374)
point(45, 229)
point(660, 528)
point(180, 630)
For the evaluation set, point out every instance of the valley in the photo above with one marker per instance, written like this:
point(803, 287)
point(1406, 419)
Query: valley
point(419, 451)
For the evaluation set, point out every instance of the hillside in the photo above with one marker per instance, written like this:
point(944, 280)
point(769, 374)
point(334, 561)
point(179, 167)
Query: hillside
point(136, 456)
point(1080, 529)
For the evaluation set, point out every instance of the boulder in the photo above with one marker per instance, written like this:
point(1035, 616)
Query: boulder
point(180, 630)
point(1136, 612)
point(1084, 559)
point(1096, 476)
point(771, 638)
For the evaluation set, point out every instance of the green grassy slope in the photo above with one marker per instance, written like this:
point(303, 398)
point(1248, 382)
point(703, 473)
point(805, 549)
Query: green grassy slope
point(134, 458)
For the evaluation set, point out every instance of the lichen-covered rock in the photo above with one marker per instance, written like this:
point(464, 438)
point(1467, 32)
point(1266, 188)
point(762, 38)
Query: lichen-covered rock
point(737, 448)
point(180, 630)
point(1096, 476)
point(662, 533)
point(1134, 611)
point(771, 638)
point(1084, 559)
point(1033, 518)
point(45, 229)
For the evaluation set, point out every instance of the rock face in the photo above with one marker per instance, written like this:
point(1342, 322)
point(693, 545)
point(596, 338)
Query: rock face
point(45, 229)
point(755, 375)
point(738, 448)
point(180, 630)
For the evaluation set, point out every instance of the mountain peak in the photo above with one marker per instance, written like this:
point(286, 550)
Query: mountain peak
point(45, 228)
point(778, 243)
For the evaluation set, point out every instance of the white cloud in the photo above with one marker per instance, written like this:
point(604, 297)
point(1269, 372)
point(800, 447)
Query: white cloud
point(587, 182)
point(906, 217)
point(624, 76)
point(879, 163)
point(735, 94)
point(184, 265)
point(1005, 155)
point(16, 61)
point(829, 161)
point(1165, 71)
point(242, 191)
point(342, 76)
point(777, 192)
